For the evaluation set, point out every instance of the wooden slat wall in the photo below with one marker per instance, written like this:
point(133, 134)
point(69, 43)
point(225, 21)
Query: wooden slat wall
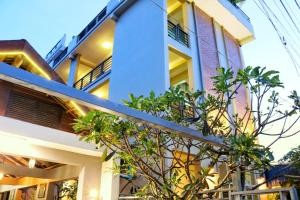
point(32, 110)
point(34, 107)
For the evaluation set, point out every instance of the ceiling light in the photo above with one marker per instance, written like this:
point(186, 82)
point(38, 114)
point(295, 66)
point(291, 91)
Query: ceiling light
point(107, 45)
point(31, 163)
point(93, 193)
point(1, 175)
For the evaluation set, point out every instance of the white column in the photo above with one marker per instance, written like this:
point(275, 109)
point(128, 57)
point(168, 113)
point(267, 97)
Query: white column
point(195, 67)
point(89, 182)
point(109, 182)
point(73, 70)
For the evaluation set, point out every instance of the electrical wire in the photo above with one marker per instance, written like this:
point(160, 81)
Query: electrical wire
point(287, 39)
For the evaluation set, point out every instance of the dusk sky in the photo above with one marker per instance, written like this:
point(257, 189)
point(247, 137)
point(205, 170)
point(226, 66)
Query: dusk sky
point(44, 22)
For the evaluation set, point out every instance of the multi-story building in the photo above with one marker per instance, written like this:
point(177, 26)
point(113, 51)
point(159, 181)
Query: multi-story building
point(138, 46)
point(131, 46)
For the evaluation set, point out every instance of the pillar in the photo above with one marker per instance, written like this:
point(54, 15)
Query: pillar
point(73, 70)
point(109, 182)
point(89, 182)
point(194, 66)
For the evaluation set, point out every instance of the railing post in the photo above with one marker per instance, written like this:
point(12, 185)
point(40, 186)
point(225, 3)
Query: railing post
point(176, 33)
point(91, 76)
point(81, 84)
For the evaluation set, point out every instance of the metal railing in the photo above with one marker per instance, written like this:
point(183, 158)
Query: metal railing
point(94, 74)
point(282, 194)
point(176, 32)
point(228, 194)
point(61, 55)
point(220, 194)
point(240, 10)
point(91, 25)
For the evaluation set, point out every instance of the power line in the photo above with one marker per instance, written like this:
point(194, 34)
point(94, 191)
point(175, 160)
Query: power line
point(298, 4)
point(291, 18)
point(289, 47)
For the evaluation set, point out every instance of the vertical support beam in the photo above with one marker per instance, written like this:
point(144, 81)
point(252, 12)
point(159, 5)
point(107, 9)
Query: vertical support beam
point(195, 77)
point(18, 61)
point(109, 182)
point(222, 53)
point(293, 194)
point(89, 182)
point(73, 70)
point(166, 59)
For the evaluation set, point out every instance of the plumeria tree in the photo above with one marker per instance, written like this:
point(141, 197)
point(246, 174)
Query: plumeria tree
point(172, 166)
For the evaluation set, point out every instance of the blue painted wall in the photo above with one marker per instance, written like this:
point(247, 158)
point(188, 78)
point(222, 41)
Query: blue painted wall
point(140, 59)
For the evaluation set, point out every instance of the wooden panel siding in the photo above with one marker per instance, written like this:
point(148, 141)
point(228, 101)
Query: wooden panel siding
point(34, 107)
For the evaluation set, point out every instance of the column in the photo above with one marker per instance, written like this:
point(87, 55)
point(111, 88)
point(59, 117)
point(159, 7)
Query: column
point(73, 70)
point(109, 182)
point(89, 182)
point(195, 75)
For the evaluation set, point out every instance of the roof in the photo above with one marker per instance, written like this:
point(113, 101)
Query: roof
point(62, 91)
point(23, 47)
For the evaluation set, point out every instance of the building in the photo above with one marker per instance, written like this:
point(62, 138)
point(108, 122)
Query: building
point(131, 46)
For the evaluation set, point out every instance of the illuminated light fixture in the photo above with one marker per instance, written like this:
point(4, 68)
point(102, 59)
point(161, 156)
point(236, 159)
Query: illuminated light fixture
point(107, 45)
point(30, 60)
point(1, 175)
point(93, 193)
point(75, 105)
point(31, 163)
point(99, 94)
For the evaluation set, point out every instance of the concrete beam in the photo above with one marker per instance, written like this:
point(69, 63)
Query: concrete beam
point(26, 181)
point(16, 146)
point(20, 171)
point(59, 173)
point(29, 80)
point(51, 138)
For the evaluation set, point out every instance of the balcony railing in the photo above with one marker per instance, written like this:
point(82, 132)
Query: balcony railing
point(90, 77)
point(92, 24)
point(234, 3)
point(61, 55)
point(176, 32)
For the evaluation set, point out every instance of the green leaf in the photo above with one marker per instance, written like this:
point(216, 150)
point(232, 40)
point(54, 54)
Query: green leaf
point(104, 155)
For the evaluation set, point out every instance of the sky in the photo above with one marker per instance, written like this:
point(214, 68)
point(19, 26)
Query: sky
point(44, 22)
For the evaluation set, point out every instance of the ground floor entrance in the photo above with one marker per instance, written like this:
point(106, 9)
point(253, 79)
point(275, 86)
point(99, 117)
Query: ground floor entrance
point(41, 163)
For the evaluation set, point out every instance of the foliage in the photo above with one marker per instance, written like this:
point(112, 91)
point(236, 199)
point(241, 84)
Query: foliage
point(67, 190)
point(292, 157)
point(167, 161)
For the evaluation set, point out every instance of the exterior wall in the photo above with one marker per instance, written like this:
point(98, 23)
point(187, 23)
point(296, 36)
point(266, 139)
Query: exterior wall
point(218, 46)
point(140, 51)
point(235, 62)
point(6, 89)
point(207, 47)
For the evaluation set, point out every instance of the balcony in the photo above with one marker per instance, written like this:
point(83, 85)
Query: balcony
point(91, 25)
point(60, 56)
point(176, 32)
point(94, 74)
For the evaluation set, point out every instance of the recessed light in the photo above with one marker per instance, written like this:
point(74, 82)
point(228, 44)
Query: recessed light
point(1, 176)
point(107, 45)
point(31, 163)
